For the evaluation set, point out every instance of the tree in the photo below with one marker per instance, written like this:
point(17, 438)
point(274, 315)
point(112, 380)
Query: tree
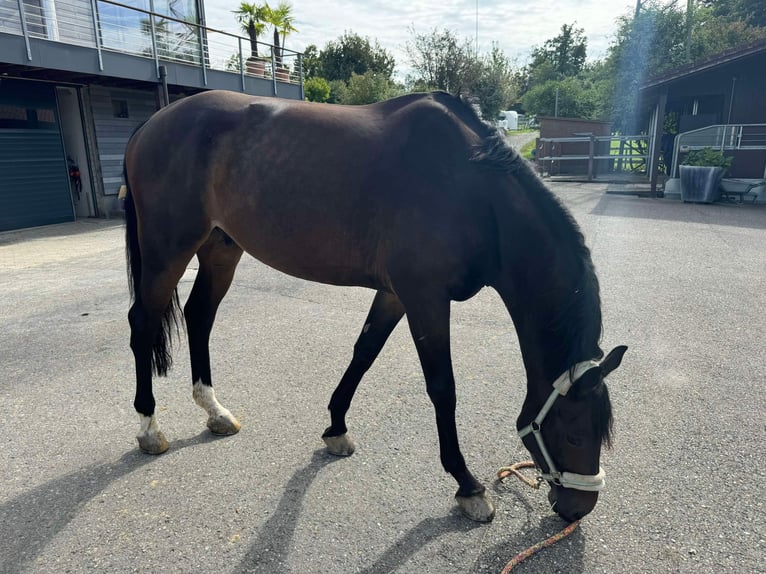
point(750, 12)
point(442, 62)
point(316, 89)
point(562, 56)
point(368, 88)
point(496, 86)
point(352, 54)
point(574, 101)
point(311, 64)
point(281, 19)
point(252, 18)
point(657, 41)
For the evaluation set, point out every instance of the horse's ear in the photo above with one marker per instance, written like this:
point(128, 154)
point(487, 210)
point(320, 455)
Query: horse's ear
point(612, 360)
point(589, 380)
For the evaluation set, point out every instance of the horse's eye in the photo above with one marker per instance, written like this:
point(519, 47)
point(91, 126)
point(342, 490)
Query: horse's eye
point(574, 440)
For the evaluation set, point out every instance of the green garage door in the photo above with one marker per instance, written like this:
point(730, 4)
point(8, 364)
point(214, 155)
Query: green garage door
point(34, 181)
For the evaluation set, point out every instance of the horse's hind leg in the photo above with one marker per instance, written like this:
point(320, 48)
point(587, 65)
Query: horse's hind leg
point(385, 313)
point(218, 259)
point(152, 321)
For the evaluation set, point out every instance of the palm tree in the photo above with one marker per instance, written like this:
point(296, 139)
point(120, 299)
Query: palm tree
point(281, 19)
point(253, 18)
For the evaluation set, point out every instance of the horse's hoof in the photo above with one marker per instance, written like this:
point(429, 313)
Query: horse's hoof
point(339, 445)
point(478, 507)
point(223, 424)
point(153, 443)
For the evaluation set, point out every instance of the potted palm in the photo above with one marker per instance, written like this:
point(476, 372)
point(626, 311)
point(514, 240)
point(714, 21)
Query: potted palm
point(701, 174)
point(253, 18)
point(281, 19)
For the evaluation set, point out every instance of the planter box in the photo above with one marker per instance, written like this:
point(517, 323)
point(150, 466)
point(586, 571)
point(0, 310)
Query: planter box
point(255, 67)
point(701, 183)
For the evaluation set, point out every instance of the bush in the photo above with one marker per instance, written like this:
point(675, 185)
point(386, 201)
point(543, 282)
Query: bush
point(316, 89)
point(707, 157)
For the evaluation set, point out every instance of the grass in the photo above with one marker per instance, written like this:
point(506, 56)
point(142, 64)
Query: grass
point(526, 150)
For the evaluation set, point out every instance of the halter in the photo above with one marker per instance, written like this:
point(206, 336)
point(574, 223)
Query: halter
point(561, 386)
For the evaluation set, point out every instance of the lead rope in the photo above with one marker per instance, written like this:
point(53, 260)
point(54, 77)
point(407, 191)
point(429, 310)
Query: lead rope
point(514, 470)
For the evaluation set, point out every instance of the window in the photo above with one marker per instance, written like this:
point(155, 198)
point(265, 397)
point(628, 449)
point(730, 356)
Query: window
point(24, 117)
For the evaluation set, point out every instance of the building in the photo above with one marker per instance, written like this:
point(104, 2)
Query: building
point(717, 103)
point(78, 76)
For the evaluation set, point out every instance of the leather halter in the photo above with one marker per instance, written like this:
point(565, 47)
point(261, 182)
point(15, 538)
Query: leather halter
point(561, 386)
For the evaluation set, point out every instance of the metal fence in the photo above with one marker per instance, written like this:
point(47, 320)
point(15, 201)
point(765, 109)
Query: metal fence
point(113, 26)
point(593, 156)
point(729, 137)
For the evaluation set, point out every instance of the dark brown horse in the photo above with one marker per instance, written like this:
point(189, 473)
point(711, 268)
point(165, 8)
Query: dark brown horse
point(413, 197)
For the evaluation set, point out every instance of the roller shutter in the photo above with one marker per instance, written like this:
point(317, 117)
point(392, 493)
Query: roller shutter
point(34, 181)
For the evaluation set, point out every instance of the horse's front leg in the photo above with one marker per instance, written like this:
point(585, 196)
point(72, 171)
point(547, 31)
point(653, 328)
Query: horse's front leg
point(384, 315)
point(429, 324)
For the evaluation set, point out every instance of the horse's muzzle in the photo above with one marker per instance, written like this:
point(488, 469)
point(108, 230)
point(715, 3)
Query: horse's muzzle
point(571, 504)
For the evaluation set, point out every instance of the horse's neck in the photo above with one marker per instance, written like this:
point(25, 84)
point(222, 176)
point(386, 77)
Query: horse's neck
point(546, 280)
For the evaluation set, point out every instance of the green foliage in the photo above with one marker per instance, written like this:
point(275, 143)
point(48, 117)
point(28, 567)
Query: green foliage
point(311, 63)
point(574, 101)
point(316, 89)
point(560, 57)
point(252, 18)
point(656, 41)
point(281, 19)
point(495, 87)
point(368, 88)
point(233, 64)
point(352, 54)
point(749, 12)
point(338, 90)
point(442, 62)
point(707, 157)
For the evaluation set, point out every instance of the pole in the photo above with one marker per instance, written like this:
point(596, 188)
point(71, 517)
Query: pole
point(477, 28)
point(638, 9)
point(689, 25)
point(556, 108)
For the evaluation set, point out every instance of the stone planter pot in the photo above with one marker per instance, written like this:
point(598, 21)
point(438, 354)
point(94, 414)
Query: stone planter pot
point(255, 67)
point(282, 74)
point(700, 184)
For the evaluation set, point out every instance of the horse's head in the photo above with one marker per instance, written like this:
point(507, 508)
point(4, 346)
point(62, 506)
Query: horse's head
point(567, 432)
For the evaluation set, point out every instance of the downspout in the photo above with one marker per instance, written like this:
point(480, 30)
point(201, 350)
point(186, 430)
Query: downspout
point(731, 98)
point(165, 99)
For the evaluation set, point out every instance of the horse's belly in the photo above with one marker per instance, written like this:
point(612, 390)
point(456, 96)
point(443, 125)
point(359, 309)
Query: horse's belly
point(320, 256)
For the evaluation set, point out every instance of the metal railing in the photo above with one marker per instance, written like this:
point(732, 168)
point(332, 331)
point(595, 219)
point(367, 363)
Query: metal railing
point(113, 26)
point(723, 137)
point(598, 151)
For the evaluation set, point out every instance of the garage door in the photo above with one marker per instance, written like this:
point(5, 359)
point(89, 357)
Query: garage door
point(34, 182)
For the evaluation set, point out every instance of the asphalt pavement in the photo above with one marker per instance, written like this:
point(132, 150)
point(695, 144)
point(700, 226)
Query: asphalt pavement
point(683, 285)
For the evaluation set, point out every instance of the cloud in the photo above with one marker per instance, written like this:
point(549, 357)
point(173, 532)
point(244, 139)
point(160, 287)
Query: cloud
point(516, 26)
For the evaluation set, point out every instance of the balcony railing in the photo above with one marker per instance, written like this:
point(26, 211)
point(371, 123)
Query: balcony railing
point(112, 26)
point(728, 137)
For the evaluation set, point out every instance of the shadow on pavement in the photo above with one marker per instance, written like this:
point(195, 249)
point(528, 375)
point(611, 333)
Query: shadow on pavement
point(566, 554)
point(268, 553)
point(422, 534)
point(745, 215)
point(87, 225)
point(32, 519)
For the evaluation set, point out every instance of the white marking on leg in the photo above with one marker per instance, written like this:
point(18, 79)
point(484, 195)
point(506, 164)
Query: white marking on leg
point(150, 437)
point(220, 420)
point(148, 425)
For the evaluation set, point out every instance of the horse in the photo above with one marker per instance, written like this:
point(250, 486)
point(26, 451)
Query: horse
point(414, 197)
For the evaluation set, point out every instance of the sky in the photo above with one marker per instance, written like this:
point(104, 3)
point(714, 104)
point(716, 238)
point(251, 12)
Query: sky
point(517, 26)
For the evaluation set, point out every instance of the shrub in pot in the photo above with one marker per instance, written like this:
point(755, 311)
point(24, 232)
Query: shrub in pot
point(701, 175)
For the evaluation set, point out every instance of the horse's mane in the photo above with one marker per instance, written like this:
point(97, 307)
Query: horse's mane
point(576, 324)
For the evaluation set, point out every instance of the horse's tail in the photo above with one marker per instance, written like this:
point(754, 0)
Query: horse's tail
point(162, 358)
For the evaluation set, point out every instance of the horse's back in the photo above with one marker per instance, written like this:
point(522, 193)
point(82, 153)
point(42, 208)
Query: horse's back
point(322, 192)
